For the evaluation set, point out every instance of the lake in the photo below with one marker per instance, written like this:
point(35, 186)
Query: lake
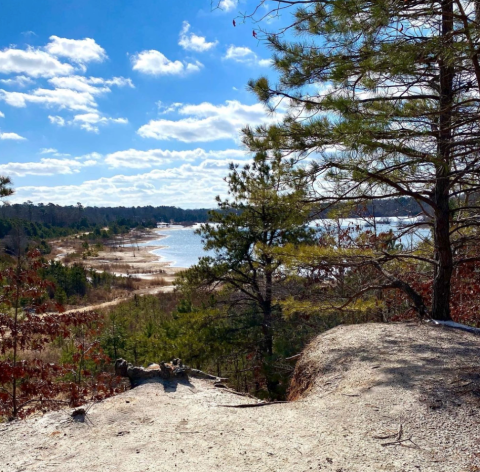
point(183, 247)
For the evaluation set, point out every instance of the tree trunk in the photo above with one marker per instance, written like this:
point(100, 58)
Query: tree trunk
point(267, 333)
point(443, 274)
point(267, 327)
point(443, 249)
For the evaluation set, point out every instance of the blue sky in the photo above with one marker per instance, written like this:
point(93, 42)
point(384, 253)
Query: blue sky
point(125, 103)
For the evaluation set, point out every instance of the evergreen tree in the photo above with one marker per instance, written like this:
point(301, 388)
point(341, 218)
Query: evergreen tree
point(5, 189)
point(264, 214)
point(386, 93)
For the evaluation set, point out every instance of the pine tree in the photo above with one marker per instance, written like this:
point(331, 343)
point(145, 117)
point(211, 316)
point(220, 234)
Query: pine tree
point(386, 94)
point(264, 214)
point(5, 189)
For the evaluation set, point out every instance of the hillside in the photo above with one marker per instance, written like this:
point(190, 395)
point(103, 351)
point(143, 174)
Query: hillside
point(370, 397)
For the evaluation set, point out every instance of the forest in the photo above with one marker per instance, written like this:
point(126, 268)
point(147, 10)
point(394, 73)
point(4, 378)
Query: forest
point(79, 217)
point(381, 121)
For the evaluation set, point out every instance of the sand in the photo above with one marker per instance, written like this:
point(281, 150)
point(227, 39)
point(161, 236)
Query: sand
point(398, 398)
point(138, 261)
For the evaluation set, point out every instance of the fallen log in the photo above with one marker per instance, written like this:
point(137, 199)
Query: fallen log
point(174, 370)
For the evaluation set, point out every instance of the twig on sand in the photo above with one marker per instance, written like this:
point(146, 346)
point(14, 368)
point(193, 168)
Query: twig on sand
point(398, 435)
point(251, 405)
point(401, 443)
point(400, 432)
point(386, 436)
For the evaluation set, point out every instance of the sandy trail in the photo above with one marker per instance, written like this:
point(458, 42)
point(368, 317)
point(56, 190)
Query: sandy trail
point(140, 292)
point(368, 380)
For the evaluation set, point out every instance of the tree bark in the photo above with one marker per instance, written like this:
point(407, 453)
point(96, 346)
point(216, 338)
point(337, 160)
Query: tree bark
point(267, 327)
point(443, 249)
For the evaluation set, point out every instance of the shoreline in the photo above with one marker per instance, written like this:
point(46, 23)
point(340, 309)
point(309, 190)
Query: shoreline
point(129, 259)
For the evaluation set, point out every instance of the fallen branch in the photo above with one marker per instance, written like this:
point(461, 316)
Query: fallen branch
point(251, 405)
point(388, 436)
point(401, 443)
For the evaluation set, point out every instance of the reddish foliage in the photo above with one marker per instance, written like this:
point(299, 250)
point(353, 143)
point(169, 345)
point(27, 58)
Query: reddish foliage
point(465, 299)
point(27, 327)
point(394, 304)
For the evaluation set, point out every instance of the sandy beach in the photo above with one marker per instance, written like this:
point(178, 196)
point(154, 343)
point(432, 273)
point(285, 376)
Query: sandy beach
point(124, 256)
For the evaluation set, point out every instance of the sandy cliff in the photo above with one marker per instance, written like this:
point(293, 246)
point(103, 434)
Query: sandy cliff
point(369, 398)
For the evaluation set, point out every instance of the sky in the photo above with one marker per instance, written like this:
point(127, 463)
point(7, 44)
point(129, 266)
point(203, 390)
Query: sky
point(126, 103)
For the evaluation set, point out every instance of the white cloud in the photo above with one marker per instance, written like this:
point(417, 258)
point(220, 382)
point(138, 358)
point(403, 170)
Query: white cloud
point(134, 158)
point(193, 67)
point(93, 85)
point(74, 92)
point(32, 62)
point(44, 62)
point(165, 109)
point(227, 5)
point(93, 156)
point(53, 152)
point(12, 136)
point(80, 51)
point(87, 121)
point(46, 166)
point(264, 62)
point(245, 55)
point(78, 83)
point(60, 98)
point(2, 115)
point(192, 42)
point(118, 81)
point(155, 63)
point(56, 120)
point(18, 81)
point(238, 53)
point(48, 151)
point(170, 186)
point(207, 122)
point(91, 121)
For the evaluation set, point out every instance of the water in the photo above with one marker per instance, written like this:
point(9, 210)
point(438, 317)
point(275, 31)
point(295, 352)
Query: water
point(383, 225)
point(184, 247)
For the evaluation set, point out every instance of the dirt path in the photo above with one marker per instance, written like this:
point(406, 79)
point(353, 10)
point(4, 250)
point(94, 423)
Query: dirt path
point(141, 292)
point(397, 398)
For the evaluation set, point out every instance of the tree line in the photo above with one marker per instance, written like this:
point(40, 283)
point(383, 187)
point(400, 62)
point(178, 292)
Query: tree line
point(84, 217)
